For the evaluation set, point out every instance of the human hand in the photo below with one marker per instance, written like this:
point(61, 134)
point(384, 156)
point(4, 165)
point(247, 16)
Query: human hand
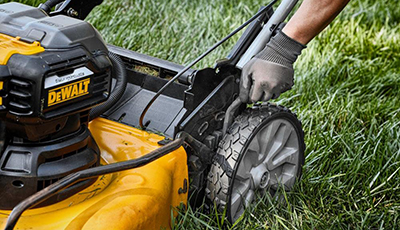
point(270, 72)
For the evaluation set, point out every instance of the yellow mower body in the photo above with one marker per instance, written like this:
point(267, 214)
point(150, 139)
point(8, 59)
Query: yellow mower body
point(143, 198)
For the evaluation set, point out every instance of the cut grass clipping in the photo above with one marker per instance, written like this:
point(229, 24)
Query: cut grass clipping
point(346, 94)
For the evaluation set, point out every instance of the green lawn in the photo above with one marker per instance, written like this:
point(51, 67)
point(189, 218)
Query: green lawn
point(347, 95)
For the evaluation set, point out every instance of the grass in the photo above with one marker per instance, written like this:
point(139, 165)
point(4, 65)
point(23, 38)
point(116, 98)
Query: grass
point(346, 94)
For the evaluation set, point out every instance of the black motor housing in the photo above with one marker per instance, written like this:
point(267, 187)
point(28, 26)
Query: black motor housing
point(29, 167)
point(42, 90)
point(45, 101)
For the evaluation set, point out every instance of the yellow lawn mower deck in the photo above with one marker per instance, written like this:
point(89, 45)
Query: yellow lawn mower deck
point(141, 198)
point(93, 136)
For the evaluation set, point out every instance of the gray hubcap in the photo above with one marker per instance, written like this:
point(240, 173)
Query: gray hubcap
point(271, 160)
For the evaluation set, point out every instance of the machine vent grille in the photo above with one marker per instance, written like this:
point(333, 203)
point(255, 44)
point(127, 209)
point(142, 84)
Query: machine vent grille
point(45, 183)
point(69, 62)
point(100, 83)
point(20, 97)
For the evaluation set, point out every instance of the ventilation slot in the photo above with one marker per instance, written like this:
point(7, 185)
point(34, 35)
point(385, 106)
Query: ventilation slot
point(70, 62)
point(20, 97)
point(100, 84)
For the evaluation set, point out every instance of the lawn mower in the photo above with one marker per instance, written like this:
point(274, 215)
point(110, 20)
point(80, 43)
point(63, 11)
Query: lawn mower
point(94, 136)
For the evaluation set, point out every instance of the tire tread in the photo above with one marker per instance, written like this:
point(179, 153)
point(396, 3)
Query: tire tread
point(218, 182)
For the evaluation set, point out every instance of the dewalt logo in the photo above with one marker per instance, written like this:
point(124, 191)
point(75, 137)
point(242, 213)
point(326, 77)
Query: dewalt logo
point(68, 92)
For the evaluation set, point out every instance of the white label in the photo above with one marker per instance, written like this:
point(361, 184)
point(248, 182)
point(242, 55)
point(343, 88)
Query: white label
point(55, 80)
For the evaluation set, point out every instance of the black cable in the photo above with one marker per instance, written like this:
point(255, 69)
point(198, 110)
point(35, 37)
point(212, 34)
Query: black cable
point(198, 59)
point(119, 73)
point(71, 179)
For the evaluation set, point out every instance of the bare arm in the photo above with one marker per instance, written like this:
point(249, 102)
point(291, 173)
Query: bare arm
point(312, 17)
point(270, 72)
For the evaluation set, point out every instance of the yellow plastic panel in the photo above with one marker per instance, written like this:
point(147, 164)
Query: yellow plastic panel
point(13, 45)
point(141, 198)
point(1, 88)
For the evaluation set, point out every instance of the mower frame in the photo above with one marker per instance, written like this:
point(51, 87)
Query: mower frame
point(193, 111)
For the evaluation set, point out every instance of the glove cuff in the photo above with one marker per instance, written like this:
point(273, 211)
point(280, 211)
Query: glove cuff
point(281, 49)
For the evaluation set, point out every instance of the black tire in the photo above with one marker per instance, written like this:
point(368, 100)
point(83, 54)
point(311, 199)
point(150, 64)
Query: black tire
point(235, 145)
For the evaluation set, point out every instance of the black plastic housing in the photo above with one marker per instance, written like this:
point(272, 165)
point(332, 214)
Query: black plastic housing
point(42, 92)
point(26, 168)
point(46, 97)
point(27, 105)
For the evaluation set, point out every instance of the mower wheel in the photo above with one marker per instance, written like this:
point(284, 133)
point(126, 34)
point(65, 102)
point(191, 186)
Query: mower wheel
point(262, 151)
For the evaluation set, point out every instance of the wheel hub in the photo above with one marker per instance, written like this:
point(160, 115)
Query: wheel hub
point(265, 151)
point(268, 162)
point(264, 180)
point(260, 176)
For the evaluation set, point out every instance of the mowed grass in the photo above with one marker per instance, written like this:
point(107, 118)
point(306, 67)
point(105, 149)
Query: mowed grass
point(347, 95)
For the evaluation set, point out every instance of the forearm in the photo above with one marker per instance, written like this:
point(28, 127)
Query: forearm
point(312, 17)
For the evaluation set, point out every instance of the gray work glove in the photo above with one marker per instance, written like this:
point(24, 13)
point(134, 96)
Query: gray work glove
point(270, 72)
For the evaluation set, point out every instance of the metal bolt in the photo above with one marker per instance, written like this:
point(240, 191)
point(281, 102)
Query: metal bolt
point(73, 13)
point(264, 180)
